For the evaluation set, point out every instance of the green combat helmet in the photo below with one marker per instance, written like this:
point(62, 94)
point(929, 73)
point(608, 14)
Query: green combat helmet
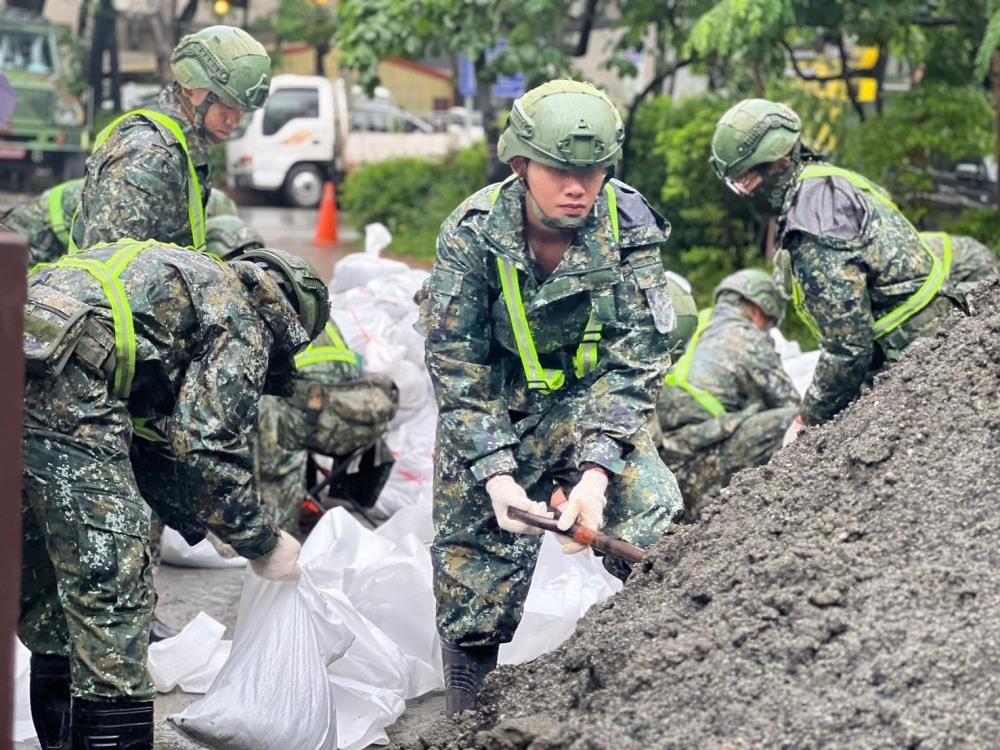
point(230, 236)
point(566, 125)
point(219, 204)
point(754, 132)
point(300, 283)
point(228, 62)
point(756, 286)
point(679, 290)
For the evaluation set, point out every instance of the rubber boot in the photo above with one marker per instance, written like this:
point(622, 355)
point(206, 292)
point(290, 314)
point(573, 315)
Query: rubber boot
point(160, 631)
point(465, 668)
point(49, 690)
point(112, 725)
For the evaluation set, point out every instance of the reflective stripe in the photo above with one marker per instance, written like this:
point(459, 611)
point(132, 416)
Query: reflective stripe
point(916, 302)
point(587, 354)
point(196, 211)
point(338, 352)
point(57, 219)
point(946, 252)
point(109, 274)
point(677, 377)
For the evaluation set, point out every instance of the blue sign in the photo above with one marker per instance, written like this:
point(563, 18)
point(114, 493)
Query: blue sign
point(510, 87)
point(466, 77)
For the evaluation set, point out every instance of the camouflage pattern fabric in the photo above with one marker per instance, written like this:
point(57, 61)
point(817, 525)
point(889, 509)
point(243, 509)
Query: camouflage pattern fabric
point(856, 260)
point(203, 355)
point(32, 221)
point(490, 422)
point(971, 260)
point(137, 183)
point(737, 363)
point(281, 470)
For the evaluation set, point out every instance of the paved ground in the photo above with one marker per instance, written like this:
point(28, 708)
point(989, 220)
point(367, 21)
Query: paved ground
point(184, 592)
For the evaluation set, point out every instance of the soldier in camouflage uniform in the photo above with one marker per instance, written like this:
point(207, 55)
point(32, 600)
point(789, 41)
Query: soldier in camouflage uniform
point(727, 402)
point(194, 344)
point(149, 175)
point(859, 274)
point(47, 222)
point(546, 317)
point(285, 430)
point(971, 260)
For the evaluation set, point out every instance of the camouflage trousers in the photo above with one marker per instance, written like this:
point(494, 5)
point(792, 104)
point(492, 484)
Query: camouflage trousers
point(281, 473)
point(86, 575)
point(482, 574)
point(705, 456)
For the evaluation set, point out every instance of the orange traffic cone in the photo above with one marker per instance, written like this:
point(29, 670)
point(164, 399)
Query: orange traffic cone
point(326, 225)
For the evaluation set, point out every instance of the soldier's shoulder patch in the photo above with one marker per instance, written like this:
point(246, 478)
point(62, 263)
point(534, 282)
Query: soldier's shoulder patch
point(829, 208)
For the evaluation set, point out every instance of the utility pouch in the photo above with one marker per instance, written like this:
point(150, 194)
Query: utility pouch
point(53, 324)
point(335, 420)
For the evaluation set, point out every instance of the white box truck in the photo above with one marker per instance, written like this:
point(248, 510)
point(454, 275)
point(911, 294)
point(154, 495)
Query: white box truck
point(310, 131)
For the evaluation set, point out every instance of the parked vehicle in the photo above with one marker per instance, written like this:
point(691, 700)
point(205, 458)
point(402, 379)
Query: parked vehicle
point(312, 130)
point(47, 128)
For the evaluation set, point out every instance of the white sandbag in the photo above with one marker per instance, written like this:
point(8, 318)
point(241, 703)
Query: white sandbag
point(357, 269)
point(563, 588)
point(412, 342)
point(173, 659)
point(175, 551)
point(381, 579)
point(799, 365)
point(411, 521)
point(273, 690)
point(410, 483)
point(394, 294)
point(201, 679)
point(24, 737)
point(377, 238)
point(361, 322)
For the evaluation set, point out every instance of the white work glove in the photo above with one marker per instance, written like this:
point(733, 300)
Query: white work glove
point(282, 562)
point(505, 493)
point(586, 505)
point(798, 424)
point(225, 551)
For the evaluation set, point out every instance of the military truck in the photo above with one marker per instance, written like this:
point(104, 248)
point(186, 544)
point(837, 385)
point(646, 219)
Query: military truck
point(48, 127)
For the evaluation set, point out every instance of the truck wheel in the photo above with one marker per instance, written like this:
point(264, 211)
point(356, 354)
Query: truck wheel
point(303, 186)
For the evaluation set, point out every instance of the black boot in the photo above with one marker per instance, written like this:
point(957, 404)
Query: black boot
point(160, 631)
point(465, 668)
point(112, 725)
point(50, 700)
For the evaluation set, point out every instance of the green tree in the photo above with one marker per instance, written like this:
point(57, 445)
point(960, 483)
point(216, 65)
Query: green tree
point(307, 21)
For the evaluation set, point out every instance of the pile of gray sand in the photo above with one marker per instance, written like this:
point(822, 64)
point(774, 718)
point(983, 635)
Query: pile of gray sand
point(845, 595)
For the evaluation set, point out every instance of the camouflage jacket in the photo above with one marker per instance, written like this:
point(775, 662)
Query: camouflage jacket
point(204, 352)
point(137, 182)
point(737, 363)
point(971, 260)
point(470, 350)
point(33, 222)
point(856, 260)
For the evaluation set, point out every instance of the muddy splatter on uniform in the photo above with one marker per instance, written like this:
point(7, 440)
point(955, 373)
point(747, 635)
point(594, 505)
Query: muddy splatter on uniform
point(737, 364)
point(209, 339)
point(490, 422)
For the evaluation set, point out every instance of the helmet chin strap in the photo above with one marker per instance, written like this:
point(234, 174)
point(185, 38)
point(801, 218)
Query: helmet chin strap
point(199, 118)
point(560, 222)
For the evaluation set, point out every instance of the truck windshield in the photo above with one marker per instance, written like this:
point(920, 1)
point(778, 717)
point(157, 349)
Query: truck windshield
point(32, 52)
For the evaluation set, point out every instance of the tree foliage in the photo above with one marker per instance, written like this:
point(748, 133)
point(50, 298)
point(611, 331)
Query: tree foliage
point(534, 31)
